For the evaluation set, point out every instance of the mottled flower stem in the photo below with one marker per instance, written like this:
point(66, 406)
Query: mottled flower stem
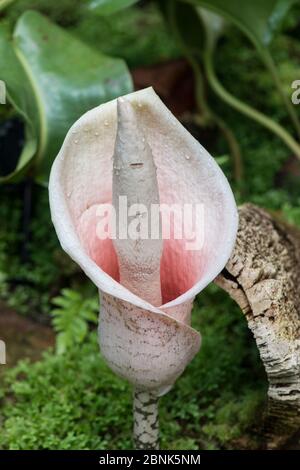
point(146, 425)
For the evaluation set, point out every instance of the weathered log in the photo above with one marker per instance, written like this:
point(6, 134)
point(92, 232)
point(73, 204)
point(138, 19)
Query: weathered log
point(263, 277)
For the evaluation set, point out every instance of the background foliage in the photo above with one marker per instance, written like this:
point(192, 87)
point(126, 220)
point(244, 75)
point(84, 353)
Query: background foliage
point(70, 399)
point(73, 401)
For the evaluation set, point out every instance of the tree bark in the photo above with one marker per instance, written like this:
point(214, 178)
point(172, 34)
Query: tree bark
point(263, 277)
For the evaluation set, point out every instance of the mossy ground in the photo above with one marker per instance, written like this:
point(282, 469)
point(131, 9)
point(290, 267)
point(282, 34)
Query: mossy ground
point(73, 401)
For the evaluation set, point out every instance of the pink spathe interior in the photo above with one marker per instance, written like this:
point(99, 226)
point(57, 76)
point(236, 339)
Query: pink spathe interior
point(186, 175)
point(180, 268)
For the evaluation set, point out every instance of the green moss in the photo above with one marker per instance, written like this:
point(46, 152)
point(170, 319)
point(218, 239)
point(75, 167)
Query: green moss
point(137, 35)
point(73, 401)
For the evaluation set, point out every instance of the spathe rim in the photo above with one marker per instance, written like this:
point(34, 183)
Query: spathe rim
point(69, 239)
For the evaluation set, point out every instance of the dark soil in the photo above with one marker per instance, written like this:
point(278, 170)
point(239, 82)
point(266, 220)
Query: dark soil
point(11, 144)
point(23, 337)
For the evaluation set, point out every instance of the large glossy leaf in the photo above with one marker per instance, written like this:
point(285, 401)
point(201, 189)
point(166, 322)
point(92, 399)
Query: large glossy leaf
point(108, 7)
point(259, 19)
point(185, 25)
point(52, 78)
point(5, 3)
point(19, 94)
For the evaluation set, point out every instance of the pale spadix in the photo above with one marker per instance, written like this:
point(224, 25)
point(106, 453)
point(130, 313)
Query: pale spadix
point(146, 343)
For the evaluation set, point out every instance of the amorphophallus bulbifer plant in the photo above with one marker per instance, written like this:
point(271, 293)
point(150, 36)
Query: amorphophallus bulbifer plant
point(149, 216)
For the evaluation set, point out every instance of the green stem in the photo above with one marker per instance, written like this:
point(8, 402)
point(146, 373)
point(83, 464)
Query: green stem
point(199, 83)
point(207, 116)
point(246, 109)
point(234, 148)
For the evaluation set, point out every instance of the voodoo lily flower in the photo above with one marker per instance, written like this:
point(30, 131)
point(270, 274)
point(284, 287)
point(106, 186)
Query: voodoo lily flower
point(132, 155)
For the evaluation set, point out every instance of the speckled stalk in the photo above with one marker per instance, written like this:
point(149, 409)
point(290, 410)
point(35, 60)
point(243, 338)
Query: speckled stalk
point(146, 424)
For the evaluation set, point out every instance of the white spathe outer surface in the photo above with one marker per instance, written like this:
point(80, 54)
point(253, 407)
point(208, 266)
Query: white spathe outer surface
point(150, 346)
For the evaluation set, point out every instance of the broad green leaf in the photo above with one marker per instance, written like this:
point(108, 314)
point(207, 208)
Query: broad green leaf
point(52, 79)
point(185, 25)
point(259, 19)
point(18, 89)
point(5, 3)
point(18, 85)
point(108, 7)
point(67, 77)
